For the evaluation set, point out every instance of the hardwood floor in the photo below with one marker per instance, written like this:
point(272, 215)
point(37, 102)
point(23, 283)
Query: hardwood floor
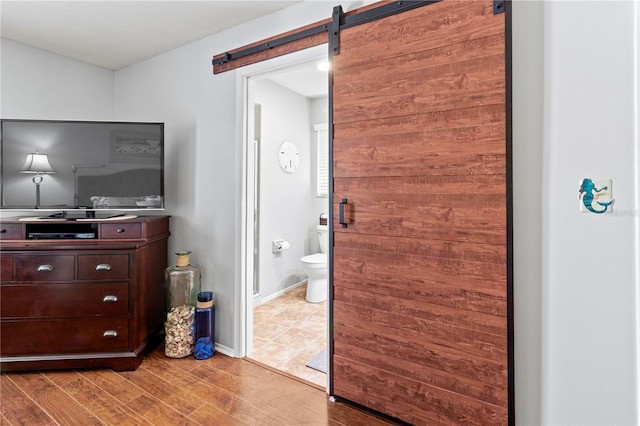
point(163, 391)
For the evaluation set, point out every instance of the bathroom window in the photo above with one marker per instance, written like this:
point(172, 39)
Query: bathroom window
point(322, 169)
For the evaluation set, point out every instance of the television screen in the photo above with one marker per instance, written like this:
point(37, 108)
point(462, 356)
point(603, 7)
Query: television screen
point(90, 165)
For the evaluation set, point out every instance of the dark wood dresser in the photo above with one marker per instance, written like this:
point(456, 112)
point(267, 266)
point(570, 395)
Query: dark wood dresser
point(81, 294)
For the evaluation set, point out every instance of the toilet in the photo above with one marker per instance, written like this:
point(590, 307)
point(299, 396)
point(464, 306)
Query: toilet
point(315, 266)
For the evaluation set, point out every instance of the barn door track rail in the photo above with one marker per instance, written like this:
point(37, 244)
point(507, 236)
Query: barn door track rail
point(227, 57)
point(332, 27)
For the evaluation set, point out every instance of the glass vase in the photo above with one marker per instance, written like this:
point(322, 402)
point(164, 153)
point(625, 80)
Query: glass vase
point(182, 285)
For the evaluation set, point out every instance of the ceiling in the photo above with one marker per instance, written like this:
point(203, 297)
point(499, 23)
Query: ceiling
point(306, 80)
point(102, 32)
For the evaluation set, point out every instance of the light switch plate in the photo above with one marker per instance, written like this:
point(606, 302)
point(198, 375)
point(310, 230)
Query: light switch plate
point(596, 196)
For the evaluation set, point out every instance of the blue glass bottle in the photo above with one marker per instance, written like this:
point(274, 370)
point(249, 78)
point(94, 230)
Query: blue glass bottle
point(205, 326)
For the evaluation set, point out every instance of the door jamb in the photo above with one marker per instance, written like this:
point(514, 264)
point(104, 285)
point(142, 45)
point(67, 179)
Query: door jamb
point(244, 83)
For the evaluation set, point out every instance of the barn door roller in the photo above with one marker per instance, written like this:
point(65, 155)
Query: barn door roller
point(334, 32)
point(383, 11)
point(341, 21)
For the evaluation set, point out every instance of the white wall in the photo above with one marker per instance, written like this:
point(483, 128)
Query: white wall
point(41, 85)
point(589, 282)
point(36, 84)
point(285, 211)
point(528, 84)
point(575, 274)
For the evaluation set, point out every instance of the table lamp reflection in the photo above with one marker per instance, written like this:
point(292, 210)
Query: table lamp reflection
point(39, 164)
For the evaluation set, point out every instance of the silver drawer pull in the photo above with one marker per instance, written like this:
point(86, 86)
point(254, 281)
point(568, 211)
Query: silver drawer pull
point(110, 333)
point(103, 267)
point(120, 230)
point(45, 268)
point(110, 298)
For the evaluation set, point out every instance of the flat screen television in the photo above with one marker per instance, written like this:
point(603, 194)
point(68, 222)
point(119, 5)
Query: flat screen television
point(93, 166)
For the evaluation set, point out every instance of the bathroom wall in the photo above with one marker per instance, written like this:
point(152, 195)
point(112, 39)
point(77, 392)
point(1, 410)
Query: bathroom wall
point(285, 209)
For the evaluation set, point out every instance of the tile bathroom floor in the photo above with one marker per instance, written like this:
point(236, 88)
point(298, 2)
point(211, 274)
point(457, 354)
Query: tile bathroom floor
point(288, 331)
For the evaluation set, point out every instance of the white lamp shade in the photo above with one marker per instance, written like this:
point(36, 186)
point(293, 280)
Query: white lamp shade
point(36, 163)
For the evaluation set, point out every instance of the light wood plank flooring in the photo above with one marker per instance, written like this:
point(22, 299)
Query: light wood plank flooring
point(288, 331)
point(163, 391)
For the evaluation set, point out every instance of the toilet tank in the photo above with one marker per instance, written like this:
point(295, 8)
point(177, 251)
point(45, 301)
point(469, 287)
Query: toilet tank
point(323, 237)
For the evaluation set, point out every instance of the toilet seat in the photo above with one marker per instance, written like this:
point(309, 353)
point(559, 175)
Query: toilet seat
point(315, 259)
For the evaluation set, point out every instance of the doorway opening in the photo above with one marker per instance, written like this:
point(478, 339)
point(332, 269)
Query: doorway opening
point(285, 106)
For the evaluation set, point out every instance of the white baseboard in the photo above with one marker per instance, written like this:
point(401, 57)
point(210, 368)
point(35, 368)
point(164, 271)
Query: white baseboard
point(277, 294)
point(225, 350)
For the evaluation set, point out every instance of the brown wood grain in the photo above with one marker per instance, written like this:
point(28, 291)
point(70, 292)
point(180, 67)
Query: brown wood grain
point(208, 414)
point(428, 247)
point(258, 383)
point(420, 310)
point(147, 297)
point(385, 359)
point(115, 266)
point(477, 149)
point(64, 336)
point(158, 412)
point(404, 309)
point(53, 400)
point(76, 299)
point(6, 269)
point(114, 384)
point(452, 223)
point(63, 377)
point(434, 288)
point(66, 307)
point(400, 316)
point(164, 391)
point(369, 265)
point(415, 401)
point(422, 122)
point(18, 408)
point(293, 46)
point(441, 89)
point(446, 23)
point(227, 391)
point(101, 404)
point(60, 267)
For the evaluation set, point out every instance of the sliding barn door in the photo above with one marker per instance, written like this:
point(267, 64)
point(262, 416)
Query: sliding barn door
point(420, 260)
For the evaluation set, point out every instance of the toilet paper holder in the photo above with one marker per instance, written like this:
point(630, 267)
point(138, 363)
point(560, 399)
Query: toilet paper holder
point(278, 246)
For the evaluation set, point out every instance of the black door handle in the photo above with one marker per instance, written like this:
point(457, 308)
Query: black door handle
point(343, 202)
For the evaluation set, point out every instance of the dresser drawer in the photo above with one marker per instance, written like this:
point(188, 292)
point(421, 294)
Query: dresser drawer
point(60, 336)
point(120, 231)
point(6, 268)
point(64, 300)
point(49, 267)
point(11, 231)
point(103, 266)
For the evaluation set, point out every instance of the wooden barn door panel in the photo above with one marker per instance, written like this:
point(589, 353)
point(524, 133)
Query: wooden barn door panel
point(419, 275)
